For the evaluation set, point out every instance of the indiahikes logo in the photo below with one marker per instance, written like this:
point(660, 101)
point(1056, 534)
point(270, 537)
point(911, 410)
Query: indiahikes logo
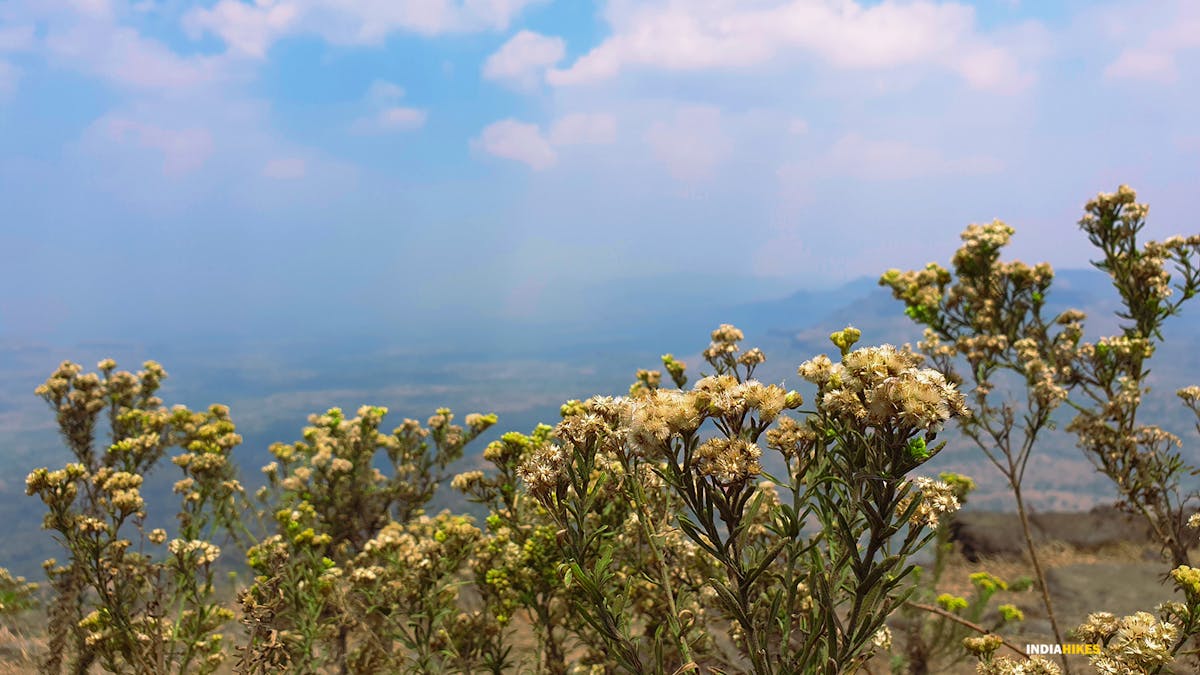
point(1064, 648)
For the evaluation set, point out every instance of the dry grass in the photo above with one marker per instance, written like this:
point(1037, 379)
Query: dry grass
point(18, 651)
point(956, 578)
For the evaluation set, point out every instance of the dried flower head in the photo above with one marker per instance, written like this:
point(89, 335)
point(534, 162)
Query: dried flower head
point(882, 386)
point(728, 461)
point(1034, 665)
point(937, 498)
point(543, 470)
point(882, 639)
point(1135, 643)
point(657, 417)
point(982, 645)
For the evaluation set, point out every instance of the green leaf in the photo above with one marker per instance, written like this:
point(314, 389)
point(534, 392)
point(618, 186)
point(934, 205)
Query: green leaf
point(917, 450)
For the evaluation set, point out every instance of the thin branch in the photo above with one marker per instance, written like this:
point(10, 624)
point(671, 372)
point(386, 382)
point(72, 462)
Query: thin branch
point(961, 621)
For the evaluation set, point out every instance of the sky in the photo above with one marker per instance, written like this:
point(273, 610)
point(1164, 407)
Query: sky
point(326, 164)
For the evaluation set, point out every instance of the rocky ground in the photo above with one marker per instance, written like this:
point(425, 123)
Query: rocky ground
point(1100, 560)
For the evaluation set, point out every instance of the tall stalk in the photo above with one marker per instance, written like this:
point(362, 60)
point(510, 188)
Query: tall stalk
point(991, 316)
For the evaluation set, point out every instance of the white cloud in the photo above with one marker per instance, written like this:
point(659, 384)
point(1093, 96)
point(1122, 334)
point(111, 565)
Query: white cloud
point(684, 35)
point(222, 147)
point(584, 129)
point(491, 14)
point(122, 56)
point(389, 116)
point(285, 168)
point(871, 159)
point(253, 28)
point(797, 127)
point(89, 37)
point(527, 143)
point(399, 118)
point(522, 61)
point(518, 141)
point(1143, 64)
point(245, 28)
point(97, 8)
point(182, 150)
point(1153, 40)
point(990, 68)
point(383, 92)
point(692, 144)
point(172, 113)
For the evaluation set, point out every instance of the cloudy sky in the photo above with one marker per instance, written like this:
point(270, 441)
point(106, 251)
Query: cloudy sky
point(331, 159)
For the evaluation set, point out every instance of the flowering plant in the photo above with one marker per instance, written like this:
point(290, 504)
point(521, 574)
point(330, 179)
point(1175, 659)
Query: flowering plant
point(114, 602)
point(798, 598)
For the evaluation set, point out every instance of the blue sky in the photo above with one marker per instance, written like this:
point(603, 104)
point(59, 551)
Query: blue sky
point(316, 162)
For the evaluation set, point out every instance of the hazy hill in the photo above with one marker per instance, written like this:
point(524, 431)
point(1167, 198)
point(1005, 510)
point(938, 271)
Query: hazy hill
point(523, 369)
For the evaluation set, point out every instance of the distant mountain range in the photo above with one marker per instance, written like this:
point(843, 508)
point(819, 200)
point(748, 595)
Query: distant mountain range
point(524, 369)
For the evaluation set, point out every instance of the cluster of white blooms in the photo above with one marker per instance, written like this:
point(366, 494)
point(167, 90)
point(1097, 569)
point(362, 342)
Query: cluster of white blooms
point(728, 461)
point(725, 340)
point(205, 552)
point(1035, 665)
point(882, 639)
point(658, 416)
point(1042, 376)
point(1138, 643)
point(937, 498)
point(882, 386)
point(544, 469)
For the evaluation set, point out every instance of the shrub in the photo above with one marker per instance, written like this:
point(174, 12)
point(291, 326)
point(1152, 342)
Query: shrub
point(113, 601)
